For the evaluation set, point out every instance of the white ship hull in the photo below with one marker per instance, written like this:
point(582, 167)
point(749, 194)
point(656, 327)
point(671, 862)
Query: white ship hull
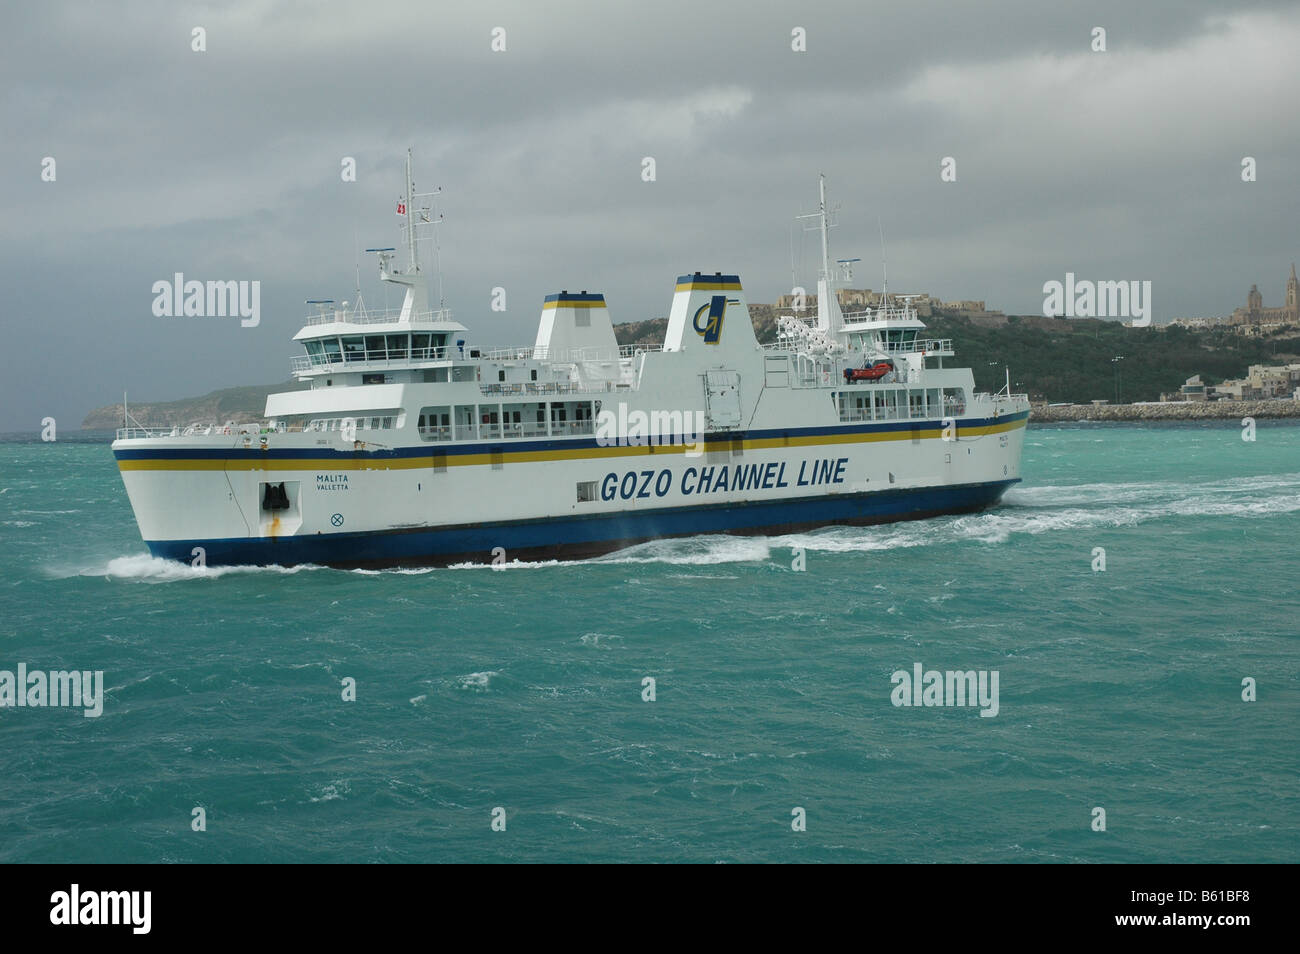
point(403, 507)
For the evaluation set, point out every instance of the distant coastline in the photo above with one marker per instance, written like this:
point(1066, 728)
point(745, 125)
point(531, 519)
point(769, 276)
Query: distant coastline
point(1167, 411)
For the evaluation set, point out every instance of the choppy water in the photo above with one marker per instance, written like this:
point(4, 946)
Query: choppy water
point(522, 688)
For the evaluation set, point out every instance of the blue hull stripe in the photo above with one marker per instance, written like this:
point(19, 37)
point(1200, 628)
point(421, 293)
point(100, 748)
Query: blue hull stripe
point(575, 537)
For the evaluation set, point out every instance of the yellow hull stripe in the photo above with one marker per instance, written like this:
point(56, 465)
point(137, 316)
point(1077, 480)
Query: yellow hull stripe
point(362, 462)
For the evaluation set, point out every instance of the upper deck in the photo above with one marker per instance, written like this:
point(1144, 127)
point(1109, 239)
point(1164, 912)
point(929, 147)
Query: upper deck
point(413, 367)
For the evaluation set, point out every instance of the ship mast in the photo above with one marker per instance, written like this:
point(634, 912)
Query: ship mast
point(417, 217)
point(416, 302)
point(825, 229)
point(411, 241)
point(828, 304)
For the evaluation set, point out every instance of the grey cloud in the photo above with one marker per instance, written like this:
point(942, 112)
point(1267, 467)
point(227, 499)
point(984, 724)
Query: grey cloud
point(225, 164)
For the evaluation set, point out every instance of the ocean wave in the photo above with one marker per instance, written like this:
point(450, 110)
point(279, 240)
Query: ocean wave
point(694, 551)
point(510, 565)
point(143, 568)
point(1146, 491)
point(594, 639)
point(478, 681)
point(331, 792)
point(1025, 511)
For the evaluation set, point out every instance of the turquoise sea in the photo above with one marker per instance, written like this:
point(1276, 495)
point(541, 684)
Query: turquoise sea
point(522, 688)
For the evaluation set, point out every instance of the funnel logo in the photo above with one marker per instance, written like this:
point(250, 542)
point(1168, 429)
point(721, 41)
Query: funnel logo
point(717, 309)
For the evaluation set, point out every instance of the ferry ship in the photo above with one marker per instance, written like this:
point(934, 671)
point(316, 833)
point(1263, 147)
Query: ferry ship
point(409, 446)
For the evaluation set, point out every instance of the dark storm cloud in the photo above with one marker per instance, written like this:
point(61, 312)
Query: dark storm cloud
point(225, 164)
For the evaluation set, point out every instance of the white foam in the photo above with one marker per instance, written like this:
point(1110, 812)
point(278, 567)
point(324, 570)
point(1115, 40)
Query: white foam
point(332, 792)
point(510, 565)
point(694, 551)
point(593, 639)
point(478, 681)
point(144, 568)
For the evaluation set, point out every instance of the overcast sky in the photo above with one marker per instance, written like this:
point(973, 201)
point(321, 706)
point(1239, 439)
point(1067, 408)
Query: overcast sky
point(225, 164)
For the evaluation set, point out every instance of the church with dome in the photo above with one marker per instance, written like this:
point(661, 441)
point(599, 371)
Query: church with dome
point(1256, 314)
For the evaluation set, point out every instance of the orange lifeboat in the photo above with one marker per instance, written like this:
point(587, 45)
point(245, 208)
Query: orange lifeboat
point(873, 373)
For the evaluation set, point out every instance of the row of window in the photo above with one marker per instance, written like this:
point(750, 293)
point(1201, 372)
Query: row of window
point(475, 421)
point(887, 403)
point(420, 345)
point(900, 335)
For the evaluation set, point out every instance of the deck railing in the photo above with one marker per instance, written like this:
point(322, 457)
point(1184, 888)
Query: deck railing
point(195, 430)
point(381, 357)
point(570, 356)
point(387, 357)
point(386, 317)
point(510, 431)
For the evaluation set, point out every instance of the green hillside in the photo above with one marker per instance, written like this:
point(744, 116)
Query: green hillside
point(1060, 359)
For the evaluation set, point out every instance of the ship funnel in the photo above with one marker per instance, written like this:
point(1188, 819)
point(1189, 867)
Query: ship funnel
point(574, 324)
point(709, 314)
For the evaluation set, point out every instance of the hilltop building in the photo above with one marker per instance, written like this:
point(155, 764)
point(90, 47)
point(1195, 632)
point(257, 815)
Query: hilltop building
point(1256, 314)
point(926, 305)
